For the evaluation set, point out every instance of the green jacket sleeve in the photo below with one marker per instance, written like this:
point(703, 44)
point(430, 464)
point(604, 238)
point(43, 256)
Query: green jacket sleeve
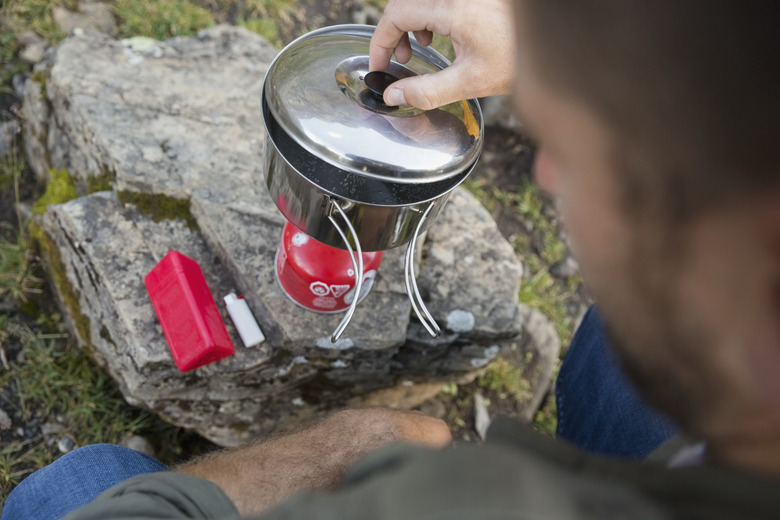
point(166, 495)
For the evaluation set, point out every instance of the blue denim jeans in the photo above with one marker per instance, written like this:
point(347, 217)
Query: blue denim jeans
point(74, 480)
point(598, 409)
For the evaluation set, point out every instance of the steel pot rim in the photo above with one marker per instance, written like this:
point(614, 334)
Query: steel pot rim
point(295, 155)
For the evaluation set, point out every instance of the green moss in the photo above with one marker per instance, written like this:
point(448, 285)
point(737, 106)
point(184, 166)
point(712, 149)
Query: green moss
point(506, 380)
point(160, 19)
point(160, 207)
point(100, 183)
point(41, 77)
point(61, 188)
point(104, 181)
point(49, 250)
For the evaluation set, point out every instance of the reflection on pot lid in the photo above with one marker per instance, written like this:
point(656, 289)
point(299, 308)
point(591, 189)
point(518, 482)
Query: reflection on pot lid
point(316, 91)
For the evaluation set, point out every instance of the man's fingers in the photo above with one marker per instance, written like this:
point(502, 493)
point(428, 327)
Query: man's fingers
point(379, 56)
point(403, 51)
point(424, 38)
point(401, 17)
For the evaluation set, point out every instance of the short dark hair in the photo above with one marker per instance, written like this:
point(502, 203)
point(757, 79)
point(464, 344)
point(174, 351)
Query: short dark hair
point(690, 90)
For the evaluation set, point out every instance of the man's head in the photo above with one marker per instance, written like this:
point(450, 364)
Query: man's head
point(656, 121)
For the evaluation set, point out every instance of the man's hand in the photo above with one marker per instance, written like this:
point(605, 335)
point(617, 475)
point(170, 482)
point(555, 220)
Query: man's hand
point(259, 476)
point(481, 33)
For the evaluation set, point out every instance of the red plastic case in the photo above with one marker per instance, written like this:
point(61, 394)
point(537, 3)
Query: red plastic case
point(186, 309)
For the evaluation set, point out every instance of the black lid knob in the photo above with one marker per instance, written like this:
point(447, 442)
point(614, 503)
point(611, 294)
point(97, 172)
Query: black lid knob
point(378, 81)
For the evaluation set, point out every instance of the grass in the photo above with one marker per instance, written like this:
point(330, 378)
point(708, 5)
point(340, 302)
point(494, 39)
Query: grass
point(34, 15)
point(56, 384)
point(160, 19)
point(505, 380)
point(17, 279)
point(260, 16)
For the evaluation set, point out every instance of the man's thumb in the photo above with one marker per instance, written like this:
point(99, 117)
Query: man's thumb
point(428, 91)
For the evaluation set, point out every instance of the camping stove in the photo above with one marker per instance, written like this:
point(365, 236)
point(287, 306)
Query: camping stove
point(319, 277)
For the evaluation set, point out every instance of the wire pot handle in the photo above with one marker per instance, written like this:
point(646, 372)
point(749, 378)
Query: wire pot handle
point(411, 282)
point(357, 266)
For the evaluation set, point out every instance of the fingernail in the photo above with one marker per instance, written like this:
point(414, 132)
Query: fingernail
point(395, 97)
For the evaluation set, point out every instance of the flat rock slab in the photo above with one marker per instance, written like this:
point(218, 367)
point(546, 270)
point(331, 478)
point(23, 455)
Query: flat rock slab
point(142, 127)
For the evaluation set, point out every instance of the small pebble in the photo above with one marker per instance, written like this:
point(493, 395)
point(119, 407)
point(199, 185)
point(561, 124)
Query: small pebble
point(65, 444)
point(5, 420)
point(566, 268)
point(50, 428)
point(481, 416)
point(139, 443)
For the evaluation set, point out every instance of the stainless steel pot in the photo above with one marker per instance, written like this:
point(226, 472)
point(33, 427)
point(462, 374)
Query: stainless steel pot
point(347, 169)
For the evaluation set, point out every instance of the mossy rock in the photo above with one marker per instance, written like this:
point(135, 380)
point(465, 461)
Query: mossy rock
point(160, 207)
point(61, 188)
point(49, 250)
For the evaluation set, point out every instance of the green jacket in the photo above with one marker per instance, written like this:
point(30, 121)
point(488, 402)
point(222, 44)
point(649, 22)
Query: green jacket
point(516, 474)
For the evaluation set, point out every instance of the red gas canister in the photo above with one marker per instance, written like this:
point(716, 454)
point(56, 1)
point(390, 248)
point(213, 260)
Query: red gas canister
point(319, 277)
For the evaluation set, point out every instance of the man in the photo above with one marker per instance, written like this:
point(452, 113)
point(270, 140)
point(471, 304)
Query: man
point(656, 122)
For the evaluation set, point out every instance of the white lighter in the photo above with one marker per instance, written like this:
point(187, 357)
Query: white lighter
point(245, 322)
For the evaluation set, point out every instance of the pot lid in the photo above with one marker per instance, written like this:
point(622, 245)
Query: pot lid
point(320, 92)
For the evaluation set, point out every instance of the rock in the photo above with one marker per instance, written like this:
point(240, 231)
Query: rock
point(498, 111)
point(33, 47)
point(434, 408)
point(8, 133)
point(65, 444)
point(536, 353)
point(17, 82)
point(458, 276)
point(28, 38)
point(50, 428)
point(33, 53)
point(566, 268)
point(5, 420)
point(176, 126)
point(481, 416)
point(90, 17)
point(139, 443)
